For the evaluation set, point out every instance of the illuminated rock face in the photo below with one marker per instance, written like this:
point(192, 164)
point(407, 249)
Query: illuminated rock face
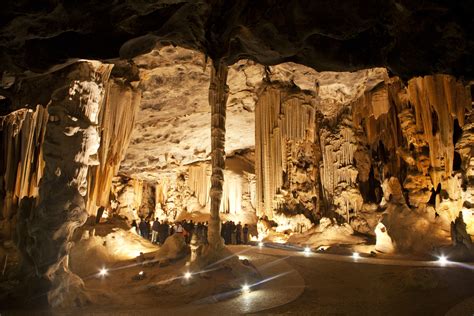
point(370, 151)
point(70, 147)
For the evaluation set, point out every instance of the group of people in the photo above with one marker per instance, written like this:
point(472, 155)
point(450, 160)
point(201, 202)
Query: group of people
point(158, 231)
point(235, 234)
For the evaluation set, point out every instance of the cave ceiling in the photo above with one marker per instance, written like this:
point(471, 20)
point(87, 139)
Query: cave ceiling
point(408, 37)
point(172, 124)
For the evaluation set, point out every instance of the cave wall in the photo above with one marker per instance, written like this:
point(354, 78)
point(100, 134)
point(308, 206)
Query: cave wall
point(286, 156)
point(22, 137)
point(414, 134)
point(185, 192)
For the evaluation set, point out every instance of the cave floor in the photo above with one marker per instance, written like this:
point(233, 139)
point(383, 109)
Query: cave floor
point(388, 287)
point(305, 284)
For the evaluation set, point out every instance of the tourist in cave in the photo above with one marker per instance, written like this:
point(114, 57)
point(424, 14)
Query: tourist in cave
point(198, 230)
point(164, 232)
point(155, 229)
point(224, 231)
point(190, 230)
point(179, 229)
point(204, 231)
point(135, 227)
point(245, 232)
point(238, 233)
point(232, 238)
point(148, 228)
point(142, 227)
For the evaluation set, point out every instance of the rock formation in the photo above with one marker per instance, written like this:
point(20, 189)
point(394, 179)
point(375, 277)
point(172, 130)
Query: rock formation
point(218, 92)
point(70, 147)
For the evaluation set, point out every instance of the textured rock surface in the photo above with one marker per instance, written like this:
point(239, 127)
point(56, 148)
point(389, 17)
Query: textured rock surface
point(409, 38)
point(70, 147)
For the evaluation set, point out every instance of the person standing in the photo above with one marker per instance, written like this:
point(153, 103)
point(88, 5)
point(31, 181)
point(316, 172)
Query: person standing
point(232, 233)
point(223, 231)
point(155, 230)
point(245, 232)
point(179, 228)
point(204, 231)
point(135, 227)
point(238, 233)
point(164, 232)
point(142, 227)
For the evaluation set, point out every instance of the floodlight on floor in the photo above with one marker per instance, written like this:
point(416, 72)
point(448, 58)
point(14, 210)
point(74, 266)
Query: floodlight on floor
point(103, 272)
point(245, 288)
point(260, 243)
point(443, 260)
point(187, 275)
point(355, 255)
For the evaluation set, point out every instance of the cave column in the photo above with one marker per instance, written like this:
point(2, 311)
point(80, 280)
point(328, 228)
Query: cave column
point(71, 143)
point(218, 93)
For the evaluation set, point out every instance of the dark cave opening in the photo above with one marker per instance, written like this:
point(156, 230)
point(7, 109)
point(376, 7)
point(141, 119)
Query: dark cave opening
point(457, 131)
point(371, 189)
point(434, 123)
point(457, 161)
point(432, 200)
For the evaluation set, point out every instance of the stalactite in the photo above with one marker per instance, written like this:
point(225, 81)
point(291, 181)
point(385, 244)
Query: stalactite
point(437, 101)
point(199, 182)
point(116, 122)
point(22, 134)
point(285, 123)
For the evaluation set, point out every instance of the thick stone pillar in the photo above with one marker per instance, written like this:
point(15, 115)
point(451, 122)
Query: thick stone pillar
point(218, 93)
point(70, 147)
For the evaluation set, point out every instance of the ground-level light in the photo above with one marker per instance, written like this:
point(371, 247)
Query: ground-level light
point(356, 255)
point(443, 260)
point(307, 250)
point(187, 275)
point(103, 272)
point(260, 243)
point(245, 288)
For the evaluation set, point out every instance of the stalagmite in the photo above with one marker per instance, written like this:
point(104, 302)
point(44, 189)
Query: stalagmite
point(71, 143)
point(218, 93)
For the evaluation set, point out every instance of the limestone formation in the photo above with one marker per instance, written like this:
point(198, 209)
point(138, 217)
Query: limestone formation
point(218, 92)
point(70, 147)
